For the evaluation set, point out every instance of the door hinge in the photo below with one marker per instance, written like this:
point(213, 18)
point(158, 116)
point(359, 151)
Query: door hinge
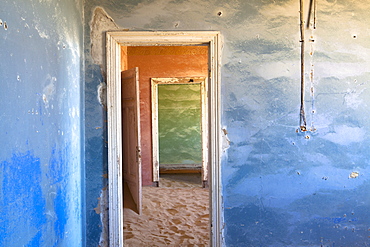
point(138, 154)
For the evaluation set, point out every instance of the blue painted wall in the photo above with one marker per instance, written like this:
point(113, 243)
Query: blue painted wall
point(41, 185)
point(280, 187)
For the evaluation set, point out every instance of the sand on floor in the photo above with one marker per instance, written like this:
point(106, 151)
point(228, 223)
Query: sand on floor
point(174, 214)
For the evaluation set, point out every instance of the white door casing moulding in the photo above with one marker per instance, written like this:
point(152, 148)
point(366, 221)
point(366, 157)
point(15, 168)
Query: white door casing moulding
point(115, 40)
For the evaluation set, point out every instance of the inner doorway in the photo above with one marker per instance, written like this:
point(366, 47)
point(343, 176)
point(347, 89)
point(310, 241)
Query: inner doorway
point(156, 64)
point(115, 40)
point(175, 108)
point(180, 125)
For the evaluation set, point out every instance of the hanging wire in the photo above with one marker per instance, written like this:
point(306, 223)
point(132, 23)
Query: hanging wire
point(302, 120)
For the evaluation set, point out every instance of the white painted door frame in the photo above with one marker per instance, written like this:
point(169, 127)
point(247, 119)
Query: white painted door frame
point(115, 40)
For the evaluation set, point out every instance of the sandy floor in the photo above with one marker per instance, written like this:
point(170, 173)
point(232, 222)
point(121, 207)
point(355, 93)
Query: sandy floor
point(175, 214)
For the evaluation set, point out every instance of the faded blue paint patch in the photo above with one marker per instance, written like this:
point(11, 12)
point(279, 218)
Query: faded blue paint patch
point(38, 202)
point(256, 225)
point(23, 204)
point(36, 240)
point(318, 224)
point(58, 178)
point(60, 208)
point(261, 46)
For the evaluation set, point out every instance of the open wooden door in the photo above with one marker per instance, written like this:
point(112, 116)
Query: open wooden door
point(131, 148)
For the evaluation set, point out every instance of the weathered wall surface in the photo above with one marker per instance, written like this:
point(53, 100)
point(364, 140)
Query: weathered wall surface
point(280, 187)
point(41, 198)
point(96, 152)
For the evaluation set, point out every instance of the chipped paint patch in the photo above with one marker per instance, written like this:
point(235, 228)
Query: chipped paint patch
point(49, 90)
point(102, 94)
point(73, 112)
point(41, 33)
point(102, 210)
point(101, 22)
point(225, 139)
point(353, 175)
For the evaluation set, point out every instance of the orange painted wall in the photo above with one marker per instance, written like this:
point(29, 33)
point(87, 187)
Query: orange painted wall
point(161, 61)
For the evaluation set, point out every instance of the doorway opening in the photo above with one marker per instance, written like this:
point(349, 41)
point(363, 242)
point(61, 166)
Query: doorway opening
point(180, 123)
point(176, 213)
point(117, 40)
